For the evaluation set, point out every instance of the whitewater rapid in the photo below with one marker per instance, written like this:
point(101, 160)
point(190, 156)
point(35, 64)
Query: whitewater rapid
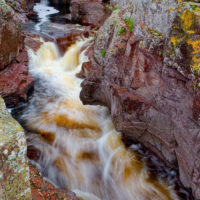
point(79, 146)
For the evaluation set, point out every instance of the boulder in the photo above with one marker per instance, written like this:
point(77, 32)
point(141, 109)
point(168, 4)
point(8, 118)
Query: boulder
point(89, 12)
point(10, 35)
point(15, 83)
point(14, 173)
point(145, 68)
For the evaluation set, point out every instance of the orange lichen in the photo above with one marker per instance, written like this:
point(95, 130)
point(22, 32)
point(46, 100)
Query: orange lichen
point(173, 40)
point(170, 10)
point(187, 19)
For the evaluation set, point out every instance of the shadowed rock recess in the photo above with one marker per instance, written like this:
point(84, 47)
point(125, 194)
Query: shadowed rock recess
point(145, 67)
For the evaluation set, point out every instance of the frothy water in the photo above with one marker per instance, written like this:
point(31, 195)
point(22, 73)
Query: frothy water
point(80, 148)
point(43, 11)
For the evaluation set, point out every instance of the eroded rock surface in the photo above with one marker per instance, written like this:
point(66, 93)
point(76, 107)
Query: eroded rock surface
point(145, 68)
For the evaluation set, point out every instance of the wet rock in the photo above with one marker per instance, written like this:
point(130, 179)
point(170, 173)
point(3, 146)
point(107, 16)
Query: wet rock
point(71, 38)
point(32, 41)
point(15, 83)
point(10, 35)
point(89, 12)
point(65, 42)
point(14, 174)
point(145, 68)
point(86, 66)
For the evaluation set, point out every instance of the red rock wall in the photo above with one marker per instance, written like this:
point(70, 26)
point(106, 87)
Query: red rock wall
point(148, 81)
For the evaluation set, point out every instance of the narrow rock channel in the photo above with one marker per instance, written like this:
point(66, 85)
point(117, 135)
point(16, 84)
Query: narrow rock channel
point(78, 134)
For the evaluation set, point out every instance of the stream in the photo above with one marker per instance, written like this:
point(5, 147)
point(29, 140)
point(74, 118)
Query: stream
point(78, 145)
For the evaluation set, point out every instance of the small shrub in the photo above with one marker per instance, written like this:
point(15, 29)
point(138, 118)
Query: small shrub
point(103, 52)
point(121, 30)
point(130, 23)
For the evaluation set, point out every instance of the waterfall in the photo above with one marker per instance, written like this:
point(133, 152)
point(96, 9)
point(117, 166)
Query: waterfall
point(79, 146)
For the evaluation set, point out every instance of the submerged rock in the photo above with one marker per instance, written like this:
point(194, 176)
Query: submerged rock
point(14, 171)
point(145, 68)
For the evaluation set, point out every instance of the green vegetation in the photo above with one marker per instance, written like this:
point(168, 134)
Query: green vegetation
point(103, 52)
point(112, 8)
point(193, 7)
point(121, 30)
point(130, 23)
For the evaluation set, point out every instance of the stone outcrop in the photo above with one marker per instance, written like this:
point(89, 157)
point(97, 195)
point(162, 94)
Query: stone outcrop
point(14, 170)
point(14, 78)
point(145, 67)
point(10, 35)
point(15, 83)
point(89, 12)
point(20, 9)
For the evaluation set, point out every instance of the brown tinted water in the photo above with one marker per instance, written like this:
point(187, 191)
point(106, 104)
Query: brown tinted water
point(78, 146)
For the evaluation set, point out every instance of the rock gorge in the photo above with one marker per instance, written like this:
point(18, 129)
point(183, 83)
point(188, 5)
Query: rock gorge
point(144, 66)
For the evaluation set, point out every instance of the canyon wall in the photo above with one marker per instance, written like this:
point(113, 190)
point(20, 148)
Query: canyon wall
point(145, 67)
point(14, 79)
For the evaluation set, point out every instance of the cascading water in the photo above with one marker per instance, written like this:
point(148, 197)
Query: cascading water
point(43, 11)
point(80, 149)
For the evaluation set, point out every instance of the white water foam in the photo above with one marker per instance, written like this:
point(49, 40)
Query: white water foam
point(80, 148)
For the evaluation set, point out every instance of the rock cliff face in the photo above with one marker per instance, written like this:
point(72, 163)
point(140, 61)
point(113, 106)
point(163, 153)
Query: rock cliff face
point(145, 67)
point(14, 79)
point(10, 35)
